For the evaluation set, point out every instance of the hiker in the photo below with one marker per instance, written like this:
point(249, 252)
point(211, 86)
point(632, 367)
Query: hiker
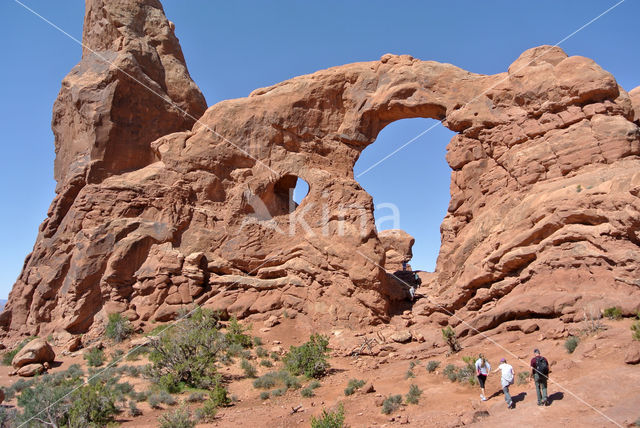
point(506, 380)
point(540, 373)
point(482, 371)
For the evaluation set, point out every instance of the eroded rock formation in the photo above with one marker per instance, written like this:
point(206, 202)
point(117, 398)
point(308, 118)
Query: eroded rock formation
point(544, 218)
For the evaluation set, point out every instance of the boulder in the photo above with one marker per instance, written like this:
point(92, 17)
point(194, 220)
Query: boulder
point(36, 351)
point(30, 370)
point(632, 356)
point(271, 321)
point(401, 336)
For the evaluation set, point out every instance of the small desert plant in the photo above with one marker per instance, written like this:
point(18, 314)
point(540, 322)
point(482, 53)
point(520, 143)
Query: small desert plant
point(571, 343)
point(118, 328)
point(207, 412)
point(179, 418)
point(391, 404)
point(613, 313)
point(315, 384)
point(257, 341)
point(432, 366)
point(307, 392)
point(635, 329)
point(116, 356)
point(274, 356)
point(412, 364)
point(409, 374)
point(333, 419)
point(235, 334)
point(134, 354)
point(449, 336)
point(94, 357)
point(7, 417)
point(133, 409)
point(310, 358)
point(353, 386)
point(220, 396)
point(279, 392)
point(592, 322)
point(523, 378)
point(450, 372)
point(248, 368)
point(266, 381)
point(264, 395)
point(413, 396)
point(261, 352)
point(154, 401)
point(266, 363)
point(196, 397)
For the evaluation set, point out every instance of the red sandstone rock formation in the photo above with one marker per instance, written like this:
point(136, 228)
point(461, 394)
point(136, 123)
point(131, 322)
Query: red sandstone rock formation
point(543, 220)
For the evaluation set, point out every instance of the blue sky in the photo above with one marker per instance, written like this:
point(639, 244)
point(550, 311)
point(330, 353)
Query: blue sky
point(234, 47)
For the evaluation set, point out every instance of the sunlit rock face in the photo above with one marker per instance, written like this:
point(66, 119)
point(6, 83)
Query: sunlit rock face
point(162, 205)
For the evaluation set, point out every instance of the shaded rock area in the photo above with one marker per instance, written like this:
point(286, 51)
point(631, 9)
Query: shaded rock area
point(155, 213)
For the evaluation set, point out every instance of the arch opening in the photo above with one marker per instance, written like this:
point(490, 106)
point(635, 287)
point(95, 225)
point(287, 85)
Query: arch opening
point(281, 197)
point(409, 185)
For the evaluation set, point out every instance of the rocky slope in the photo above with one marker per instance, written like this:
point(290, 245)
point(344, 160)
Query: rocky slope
point(152, 216)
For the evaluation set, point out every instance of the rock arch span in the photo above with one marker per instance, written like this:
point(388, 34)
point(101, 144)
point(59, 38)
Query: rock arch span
point(543, 218)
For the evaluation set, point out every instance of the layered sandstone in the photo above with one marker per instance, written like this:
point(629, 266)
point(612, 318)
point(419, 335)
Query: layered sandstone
point(543, 220)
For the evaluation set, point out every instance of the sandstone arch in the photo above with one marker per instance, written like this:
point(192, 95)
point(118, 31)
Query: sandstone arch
point(519, 239)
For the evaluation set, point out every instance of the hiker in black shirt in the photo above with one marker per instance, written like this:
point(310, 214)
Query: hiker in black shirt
point(540, 373)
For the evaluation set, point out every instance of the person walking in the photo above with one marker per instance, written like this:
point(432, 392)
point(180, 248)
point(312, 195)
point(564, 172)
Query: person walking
point(506, 380)
point(540, 373)
point(483, 368)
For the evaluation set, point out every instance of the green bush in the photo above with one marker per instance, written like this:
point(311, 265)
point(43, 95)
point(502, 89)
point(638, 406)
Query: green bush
point(94, 357)
point(7, 358)
point(413, 396)
point(257, 341)
point(92, 405)
point(179, 418)
point(187, 353)
point(264, 395)
point(310, 358)
point(261, 352)
point(281, 378)
point(571, 343)
point(235, 334)
point(307, 392)
point(333, 419)
point(266, 381)
point(207, 412)
point(450, 372)
point(409, 374)
point(196, 397)
point(353, 386)
point(274, 356)
point(449, 336)
point(523, 378)
point(266, 363)
point(116, 356)
point(133, 409)
point(7, 417)
point(432, 366)
point(635, 328)
point(118, 328)
point(248, 368)
point(279, 392)
point(613, 313)
point(315, 384)
point(391, 404)
point(219, 396)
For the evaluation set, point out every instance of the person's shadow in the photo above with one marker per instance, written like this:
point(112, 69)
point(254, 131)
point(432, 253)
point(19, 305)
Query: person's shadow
point(555, 396)
point(518, 398)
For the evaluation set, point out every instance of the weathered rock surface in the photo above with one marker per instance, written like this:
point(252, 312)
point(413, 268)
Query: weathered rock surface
point(37, 351)
point(543, 219)
point(397, 245)
point(30, 370)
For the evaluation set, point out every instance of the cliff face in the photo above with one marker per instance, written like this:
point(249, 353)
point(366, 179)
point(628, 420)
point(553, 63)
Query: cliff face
point(152, 216)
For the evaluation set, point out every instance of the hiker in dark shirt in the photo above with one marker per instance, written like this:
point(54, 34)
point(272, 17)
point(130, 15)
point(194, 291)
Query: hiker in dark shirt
point(540, 373)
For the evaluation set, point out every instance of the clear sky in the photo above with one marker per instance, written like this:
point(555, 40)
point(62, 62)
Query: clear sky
point(236, 46)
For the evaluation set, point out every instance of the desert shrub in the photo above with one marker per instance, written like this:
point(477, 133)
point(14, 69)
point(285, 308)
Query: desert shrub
point(449, 336)
point(413, 396)
point(450, 372)
point(257, 341)
point(92, 405)
point(136, 353)
point(523, 378)
point(179, 418)
point(47, 401)
point(207, 412)
point(133, 409)
point(264, 395)
point(266, 381)
point(613, 313)
point(235, 334)
point(8, 356)
point(432, 366)
point(391, 404)
point(637, 422)
point(196, 397)
point(635, 329)
point(274, 356)
point(334, 419)
point(261, 352)
point(409, 374)
point(7, 417)
point(94, 357)
point(220, 396)
point(281, 378)
point(279, 392)
point(412, 364)
point(310, 358)
point(248, 368)
point(592, 322)
point(154, 401)
point(187, 353)
point(133, 371)
point(571, 343)
point(161, 396)
point(467, 374)
point(353, 386)
point(266, 363)
point(118, 328)
point(116, 356)
point(307, 392)
point(315, 384)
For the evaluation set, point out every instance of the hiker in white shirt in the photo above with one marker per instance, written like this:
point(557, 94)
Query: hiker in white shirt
point(506, 380)
point(482, 371)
